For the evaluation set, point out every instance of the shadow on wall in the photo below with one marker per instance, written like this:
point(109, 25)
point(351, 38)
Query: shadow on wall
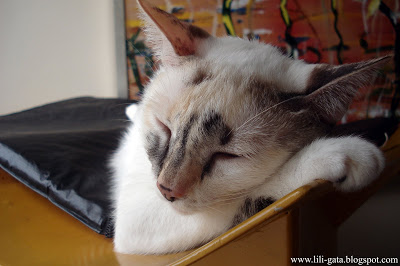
point(373, 230)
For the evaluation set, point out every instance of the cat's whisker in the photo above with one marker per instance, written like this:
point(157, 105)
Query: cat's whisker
point(236, 195)
point(260, 113)
point(119, 104)
point(120, 119)
point(230, 199)
point(214, 209)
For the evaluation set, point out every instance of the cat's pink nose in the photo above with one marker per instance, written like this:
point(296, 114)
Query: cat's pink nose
point(168, 193)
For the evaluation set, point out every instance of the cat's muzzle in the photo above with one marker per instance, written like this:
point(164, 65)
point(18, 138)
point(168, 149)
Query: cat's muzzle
point(168, 193)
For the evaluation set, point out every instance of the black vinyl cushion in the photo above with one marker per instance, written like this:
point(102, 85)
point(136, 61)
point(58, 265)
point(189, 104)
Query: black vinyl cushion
point(61, 150)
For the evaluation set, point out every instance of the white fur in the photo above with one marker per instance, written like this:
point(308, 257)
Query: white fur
point(131, 111)
point(257, 59)
point(147, 223)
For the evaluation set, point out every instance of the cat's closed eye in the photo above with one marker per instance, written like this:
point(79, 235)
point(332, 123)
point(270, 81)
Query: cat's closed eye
point(218, 156)
point(164, 128)
point(224, 156)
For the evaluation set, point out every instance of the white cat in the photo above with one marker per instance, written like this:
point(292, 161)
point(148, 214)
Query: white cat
point(226, 127)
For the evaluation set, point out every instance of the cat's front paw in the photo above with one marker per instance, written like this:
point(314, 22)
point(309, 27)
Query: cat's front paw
point(351, 163)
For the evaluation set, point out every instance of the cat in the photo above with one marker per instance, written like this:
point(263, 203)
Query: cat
point(226, 127)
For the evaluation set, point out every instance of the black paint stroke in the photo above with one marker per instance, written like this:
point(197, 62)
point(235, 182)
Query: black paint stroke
point(340, 45)
point(392, 18)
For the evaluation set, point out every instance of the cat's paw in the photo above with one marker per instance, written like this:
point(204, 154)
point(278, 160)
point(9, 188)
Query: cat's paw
point(351, 163)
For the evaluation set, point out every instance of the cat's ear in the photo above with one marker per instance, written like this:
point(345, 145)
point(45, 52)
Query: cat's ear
point(331, 89)
point(169, 37)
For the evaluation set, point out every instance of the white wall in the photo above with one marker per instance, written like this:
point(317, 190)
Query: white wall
point(56, 49)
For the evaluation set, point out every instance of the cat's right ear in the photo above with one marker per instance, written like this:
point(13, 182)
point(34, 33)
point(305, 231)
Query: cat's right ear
point(169, 37)
point(331, 89)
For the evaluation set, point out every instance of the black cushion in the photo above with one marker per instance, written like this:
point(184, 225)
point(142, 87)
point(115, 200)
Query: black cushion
point(61, 150)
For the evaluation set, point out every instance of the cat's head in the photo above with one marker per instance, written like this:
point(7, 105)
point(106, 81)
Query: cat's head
point(223, 114)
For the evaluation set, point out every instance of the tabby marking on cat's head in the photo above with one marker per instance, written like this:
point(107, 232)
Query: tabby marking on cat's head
point(223, 110)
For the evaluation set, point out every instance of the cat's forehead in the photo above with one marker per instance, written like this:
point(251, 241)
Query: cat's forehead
point(258, 60)
point(232, 60)
point(233, 77)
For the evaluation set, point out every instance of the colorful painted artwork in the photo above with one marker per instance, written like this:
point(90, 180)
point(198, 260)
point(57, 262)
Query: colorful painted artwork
point(323, 31)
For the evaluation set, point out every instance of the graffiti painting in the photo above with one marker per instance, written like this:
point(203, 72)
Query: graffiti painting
point(316, 31)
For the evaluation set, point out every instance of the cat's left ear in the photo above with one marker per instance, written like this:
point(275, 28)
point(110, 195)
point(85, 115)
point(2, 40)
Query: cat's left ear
point(169, 37)
point(331, 89)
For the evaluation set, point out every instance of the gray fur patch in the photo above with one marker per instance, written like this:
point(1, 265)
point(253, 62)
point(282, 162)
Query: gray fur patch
point(213, 125)
point(322, 75)
point(182, 141)
point(156, 151)
point(200, 76)
point(251, 207)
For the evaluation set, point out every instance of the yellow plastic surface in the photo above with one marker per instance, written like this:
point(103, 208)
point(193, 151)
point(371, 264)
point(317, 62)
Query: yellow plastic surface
point(35, 232)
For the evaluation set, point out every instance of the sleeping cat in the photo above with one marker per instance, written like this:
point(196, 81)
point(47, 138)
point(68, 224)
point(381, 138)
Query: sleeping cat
point(226, 127)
